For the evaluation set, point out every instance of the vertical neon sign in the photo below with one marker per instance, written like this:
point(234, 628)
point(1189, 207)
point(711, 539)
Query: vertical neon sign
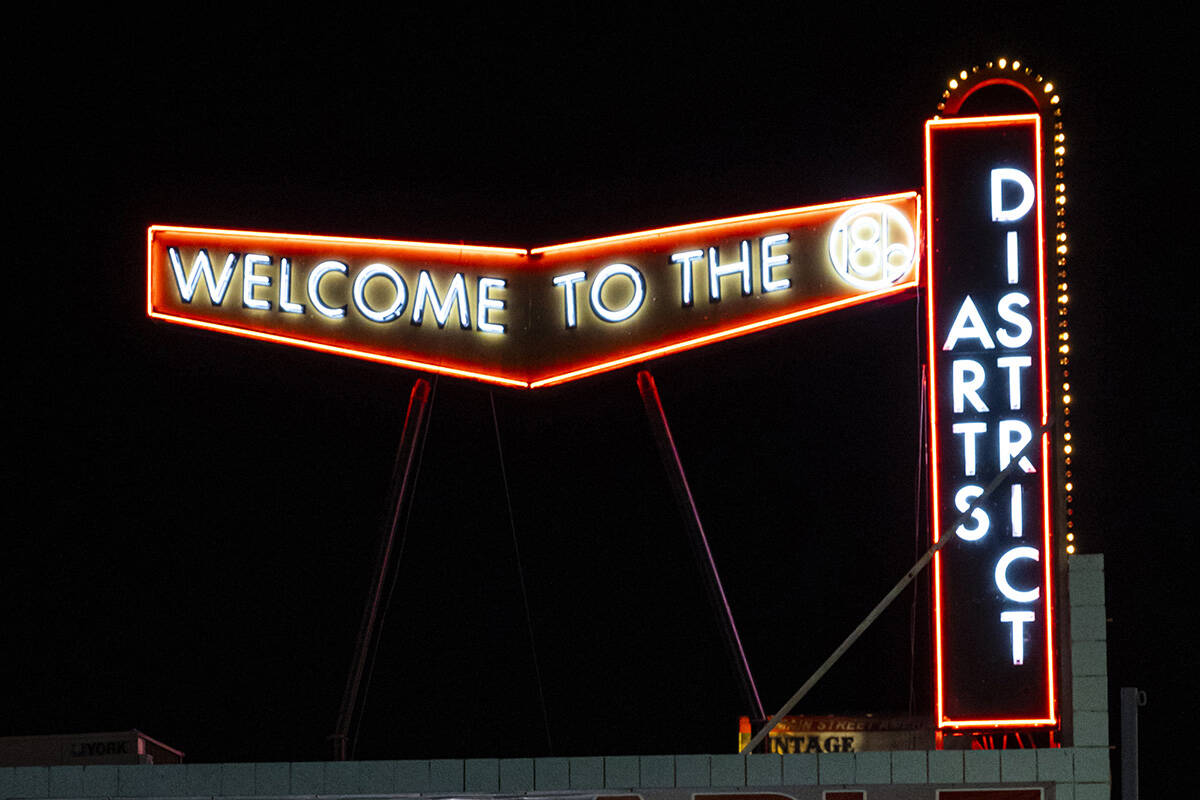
point(988, 399)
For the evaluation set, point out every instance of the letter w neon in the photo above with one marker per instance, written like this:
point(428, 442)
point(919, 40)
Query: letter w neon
point(202, 267)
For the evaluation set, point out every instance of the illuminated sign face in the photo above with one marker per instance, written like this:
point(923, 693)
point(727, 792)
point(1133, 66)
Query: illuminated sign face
point(872, 246)
point(989, 398)
point(541, 316)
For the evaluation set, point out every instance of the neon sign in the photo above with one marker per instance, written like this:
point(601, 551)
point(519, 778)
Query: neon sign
point(535, 317)
point(872, 246)
point(541, 316)
point(988, 399)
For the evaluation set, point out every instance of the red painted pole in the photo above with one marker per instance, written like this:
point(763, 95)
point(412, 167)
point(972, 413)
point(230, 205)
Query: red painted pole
point(704, 556)
point(403, 477)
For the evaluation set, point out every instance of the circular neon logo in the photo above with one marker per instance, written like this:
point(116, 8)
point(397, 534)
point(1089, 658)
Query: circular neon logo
point(872, 246)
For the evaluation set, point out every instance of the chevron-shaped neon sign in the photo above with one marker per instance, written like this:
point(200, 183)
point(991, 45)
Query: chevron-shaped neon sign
point(533, 317)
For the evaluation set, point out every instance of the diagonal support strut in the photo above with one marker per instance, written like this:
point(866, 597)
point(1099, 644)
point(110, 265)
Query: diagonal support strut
point(900, 586)
point(699, 542)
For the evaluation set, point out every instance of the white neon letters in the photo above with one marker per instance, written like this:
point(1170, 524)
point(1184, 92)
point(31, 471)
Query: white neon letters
point(968, 324)
point(962, 501)
point(967, 389)
point(567, 282)
point(314, 288)
point(1014, 435)
point(250, 279)
point(769, 262)
point(687, 278)
point(989, 341)
point(1012, 260)
point(285, 288)
point(427, 294)
point(969, 431)
point(376, 292)
point(1016, 511)
point(399, 297)
point(618, 292)
point(1000, 176)
point(487, 304)
point(717, 270)
point(202, 268)
point(597, 293)
point(1018, 620)
point(1024, 327)
point(1006, 588)
point(1014, 365)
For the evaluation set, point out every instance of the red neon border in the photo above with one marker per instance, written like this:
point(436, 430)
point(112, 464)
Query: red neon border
point(712, 223)
point(654, 350)
point(955, 104)
point(728, 333)
point(1047, 551)
point(367, 355)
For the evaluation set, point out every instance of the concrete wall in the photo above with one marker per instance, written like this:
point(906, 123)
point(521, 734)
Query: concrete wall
point(1067, 774)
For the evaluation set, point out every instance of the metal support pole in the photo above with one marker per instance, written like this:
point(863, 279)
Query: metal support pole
point(895, 592)
point(699, 542)
point(403, 476)
point(1131, 698)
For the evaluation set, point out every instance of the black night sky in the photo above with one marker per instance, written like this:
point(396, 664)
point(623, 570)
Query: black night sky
point(193, 517)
